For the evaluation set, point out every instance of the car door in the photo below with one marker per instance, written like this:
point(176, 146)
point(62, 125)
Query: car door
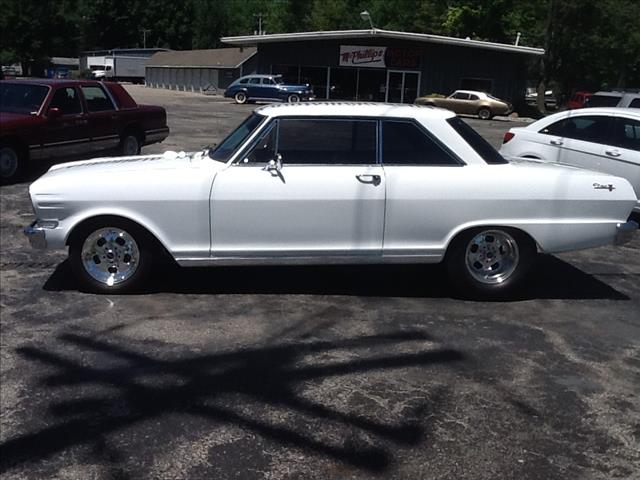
point(327, 199)
point(269, 89)
point(254, 87)
point(423, 188)
point(458, 102)
point(66, 132)
point(576, 140)
point(622, 154)
point(102, 116)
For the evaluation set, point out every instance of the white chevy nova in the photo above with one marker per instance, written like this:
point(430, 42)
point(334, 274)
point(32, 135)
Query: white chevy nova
point(328, 183)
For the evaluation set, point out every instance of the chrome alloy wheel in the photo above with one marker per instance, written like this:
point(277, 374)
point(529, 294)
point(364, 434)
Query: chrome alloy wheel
point(492, 256)
point(110, 255)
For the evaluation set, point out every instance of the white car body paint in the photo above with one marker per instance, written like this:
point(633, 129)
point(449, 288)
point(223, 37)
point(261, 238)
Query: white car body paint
point(528, 142)
point(206, 212)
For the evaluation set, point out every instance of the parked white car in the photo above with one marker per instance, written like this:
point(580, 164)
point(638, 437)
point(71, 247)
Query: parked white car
point(601, 139)
point(328, 183)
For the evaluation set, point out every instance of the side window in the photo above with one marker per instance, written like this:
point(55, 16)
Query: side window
point(254, 81)
point(336, 142)
point(244, 80)
point(267, 81)
point(586, 128)
point(461, 96)
point(404, 143)
point(264, 149)
point(67, 100)
point(473, 97)
point(627, 134)
point(97, 100)
point(635, 103)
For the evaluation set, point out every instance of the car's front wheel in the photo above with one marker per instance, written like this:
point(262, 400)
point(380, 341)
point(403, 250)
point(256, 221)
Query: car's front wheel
point(293, 98)
point(111, 257)
point(240, 97)
point(489, 262)
point(11, 165)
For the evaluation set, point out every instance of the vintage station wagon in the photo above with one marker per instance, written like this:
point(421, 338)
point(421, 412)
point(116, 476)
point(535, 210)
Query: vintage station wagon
point(328, 183)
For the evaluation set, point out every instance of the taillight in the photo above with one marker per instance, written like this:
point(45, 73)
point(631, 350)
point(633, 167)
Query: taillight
point(508, 136)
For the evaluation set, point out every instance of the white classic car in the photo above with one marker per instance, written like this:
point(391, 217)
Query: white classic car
point(328, 183)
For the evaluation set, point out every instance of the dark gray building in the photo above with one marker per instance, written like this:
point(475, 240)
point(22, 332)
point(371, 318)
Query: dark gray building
point(199, 70)
point(389, 66)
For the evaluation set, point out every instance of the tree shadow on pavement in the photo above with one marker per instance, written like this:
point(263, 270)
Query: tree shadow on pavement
point(83, 402)
point(551, 278)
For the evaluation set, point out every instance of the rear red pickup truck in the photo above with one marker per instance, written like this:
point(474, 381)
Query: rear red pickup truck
point(43, 119)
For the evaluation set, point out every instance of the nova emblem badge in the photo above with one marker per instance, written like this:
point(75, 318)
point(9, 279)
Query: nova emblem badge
point(599, 186)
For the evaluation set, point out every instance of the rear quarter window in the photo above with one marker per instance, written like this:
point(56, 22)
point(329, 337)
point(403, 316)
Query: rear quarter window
point(483, 148)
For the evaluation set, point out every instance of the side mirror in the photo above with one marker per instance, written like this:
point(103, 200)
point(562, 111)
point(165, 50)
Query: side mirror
point(274, 165)
point(54, 113)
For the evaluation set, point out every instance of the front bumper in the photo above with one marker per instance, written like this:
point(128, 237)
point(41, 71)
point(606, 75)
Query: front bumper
point(37, 233)
point(625, 232)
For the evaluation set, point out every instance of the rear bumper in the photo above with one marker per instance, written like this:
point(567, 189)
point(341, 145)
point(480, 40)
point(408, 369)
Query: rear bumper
point(156, 135)
point(625, 232)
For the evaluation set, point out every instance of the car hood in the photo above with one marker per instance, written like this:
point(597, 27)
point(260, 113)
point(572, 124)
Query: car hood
point(294, 88)
point(123, 170)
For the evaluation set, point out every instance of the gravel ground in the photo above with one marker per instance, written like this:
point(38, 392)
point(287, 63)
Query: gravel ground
point(316, 372)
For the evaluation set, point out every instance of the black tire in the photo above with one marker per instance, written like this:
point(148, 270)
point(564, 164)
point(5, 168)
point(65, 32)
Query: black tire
point(12, 164)
point(240, 97)
point(130, 144)
point(103, 229)
point(293, 98)
point(485, 113)
point(512, 250)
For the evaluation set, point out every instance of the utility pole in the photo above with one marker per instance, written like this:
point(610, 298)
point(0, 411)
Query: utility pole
point(144, 36)
point(259, 15)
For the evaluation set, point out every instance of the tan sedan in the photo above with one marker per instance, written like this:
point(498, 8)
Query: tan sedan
point(469, 102)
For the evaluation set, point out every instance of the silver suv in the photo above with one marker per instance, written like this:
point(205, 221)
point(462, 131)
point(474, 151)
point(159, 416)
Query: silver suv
point(614, 99)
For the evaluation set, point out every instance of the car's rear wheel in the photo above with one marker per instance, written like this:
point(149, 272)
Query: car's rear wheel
point(293, 98)
point(111, 257)
point(130, 144)
point(240, 97)
point(489, 262)
point(485, 114)
point(11, 165)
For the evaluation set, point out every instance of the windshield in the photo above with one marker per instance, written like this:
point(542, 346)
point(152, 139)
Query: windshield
point(603, 101)
point(225, 149)
point(21, 97)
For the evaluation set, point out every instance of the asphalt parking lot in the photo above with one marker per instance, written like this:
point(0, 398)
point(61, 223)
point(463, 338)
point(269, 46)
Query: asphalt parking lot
point(316, 372)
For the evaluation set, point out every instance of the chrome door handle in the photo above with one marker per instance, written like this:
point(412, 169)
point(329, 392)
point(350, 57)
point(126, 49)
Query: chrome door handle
point(555, 142)
point(612, 153)
point(373, 179)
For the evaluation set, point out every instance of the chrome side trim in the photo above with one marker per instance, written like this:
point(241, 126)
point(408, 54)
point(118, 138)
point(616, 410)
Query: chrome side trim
point(305, 260)
point(625, 232)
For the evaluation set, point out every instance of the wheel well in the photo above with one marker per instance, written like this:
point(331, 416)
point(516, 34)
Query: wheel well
point(104, 220)
point(484, 107)
point(15, 142)
point(461, 233)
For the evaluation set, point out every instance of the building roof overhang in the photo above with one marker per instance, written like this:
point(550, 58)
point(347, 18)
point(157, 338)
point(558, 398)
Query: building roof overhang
point(251, 40)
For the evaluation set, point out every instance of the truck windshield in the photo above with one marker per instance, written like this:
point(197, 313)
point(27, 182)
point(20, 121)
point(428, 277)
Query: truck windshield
point(21, 98)
point(225, 149)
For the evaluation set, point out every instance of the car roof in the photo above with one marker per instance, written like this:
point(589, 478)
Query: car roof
point(473, 92)
point(615, 93)
point(605, 111)
point(354, 109)
point(51, 81)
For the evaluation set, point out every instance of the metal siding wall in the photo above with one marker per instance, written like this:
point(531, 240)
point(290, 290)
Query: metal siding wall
point(442, 66)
